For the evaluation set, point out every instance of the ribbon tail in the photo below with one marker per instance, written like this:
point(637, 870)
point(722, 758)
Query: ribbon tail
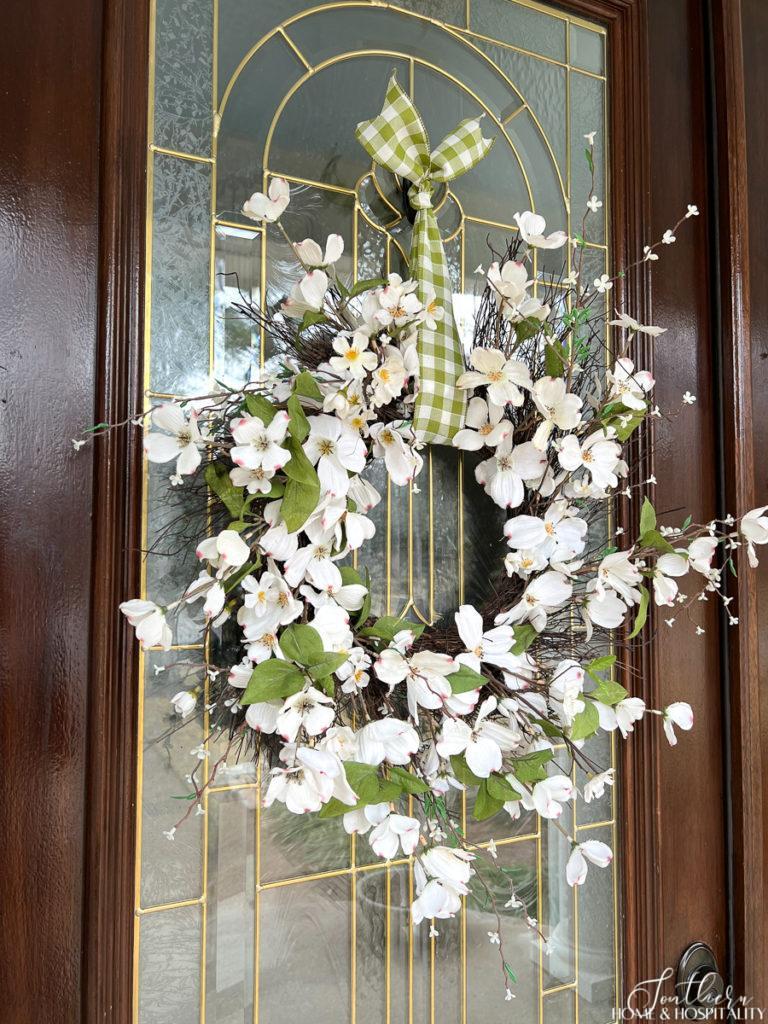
point(440, 405)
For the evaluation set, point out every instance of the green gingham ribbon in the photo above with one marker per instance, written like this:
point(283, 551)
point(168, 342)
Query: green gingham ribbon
point(397, 140)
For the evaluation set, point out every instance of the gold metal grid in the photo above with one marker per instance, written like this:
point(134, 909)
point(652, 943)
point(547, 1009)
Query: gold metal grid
point(465, 35)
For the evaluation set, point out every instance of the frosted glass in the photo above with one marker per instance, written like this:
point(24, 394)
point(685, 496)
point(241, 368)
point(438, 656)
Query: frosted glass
point(587, 115)
point(512, 23)
point(171, 871)
point(542, 86)
point(169, 967)
point(587, 49)
point(183, 113)
point(181, 241)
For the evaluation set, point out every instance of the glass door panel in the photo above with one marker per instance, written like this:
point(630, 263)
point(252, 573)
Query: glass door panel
point(253, 916)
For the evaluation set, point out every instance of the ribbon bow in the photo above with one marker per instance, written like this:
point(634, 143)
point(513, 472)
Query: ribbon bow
point(397, 140)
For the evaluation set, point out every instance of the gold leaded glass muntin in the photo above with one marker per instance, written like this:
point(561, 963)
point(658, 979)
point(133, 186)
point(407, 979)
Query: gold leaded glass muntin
point(246, 916)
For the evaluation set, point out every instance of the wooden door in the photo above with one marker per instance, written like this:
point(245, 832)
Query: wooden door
point(688, 822)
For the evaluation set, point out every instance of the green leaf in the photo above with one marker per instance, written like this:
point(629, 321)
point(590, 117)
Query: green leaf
point(608, 692)
point(510, 973)
point(298, 467)
point(647, 517)
point(277, 490)
point(366, 285)
point(365, 611)
point(310, 318)
point(553, 362)
point(306, 385)
point(242, 572)
point(302, 492)
point(217, 477)
point(363, 778)
point(465, 679)
point(590, 161)
point(585, 723)
point(625, 428)
point(325, 664)
point(601, 664)
point(524, 637)
point(272, 679)
point(653, 539)
point(335, 808)
point(687, 522)
point(500, 788)
point(485, 804)
point(528, 328)
point(257, 405)
point(388, 626)
point(301, 643)
point(350, 576)
point(298, 423)
point(463, 772)
point(299, 502)
point(642, 612)
point(409, 782)
point(531, 767)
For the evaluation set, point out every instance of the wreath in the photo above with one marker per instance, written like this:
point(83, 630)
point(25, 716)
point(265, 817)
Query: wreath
point(365, 717)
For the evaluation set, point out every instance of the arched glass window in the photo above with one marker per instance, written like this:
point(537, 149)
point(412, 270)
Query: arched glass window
point(259, 916)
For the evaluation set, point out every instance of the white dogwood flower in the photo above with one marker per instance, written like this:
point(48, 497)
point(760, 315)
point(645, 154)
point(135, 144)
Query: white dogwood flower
point(509, 283)
point(754, 530)
point(532, 228)
point(148, 620)
point(557, 406)
point(269, 207)
point(182, 439)
point(621, 716)
point(629, 323)
point(491, 646)
point(504, 474)
point(667, 567)
point(566, 689)
point(307, 295)
point(558, 536)
point(618, 572)
point(543, 595)
point(598, 453)
point(629, 386)
point(501, 376)
point(309, 709)
point(353, 357)
point(481, 743)
point(258, 444)
point(311, 255)
point(677, 714)
point(594, 788)
point(403, 462)
point(387, 739)
point(184, 703)
point(336, 451)
point(591, 850)
point(484, 425)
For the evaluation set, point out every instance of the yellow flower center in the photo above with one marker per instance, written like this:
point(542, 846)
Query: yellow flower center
point(386, 437)
point(351, 355)
point(384, 375)
point(485, 430)
point(586, 456)
point(495, 376)
point(326, 447)
point(549, 528)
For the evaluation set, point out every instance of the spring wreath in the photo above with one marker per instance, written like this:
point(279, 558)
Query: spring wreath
point(377, 719)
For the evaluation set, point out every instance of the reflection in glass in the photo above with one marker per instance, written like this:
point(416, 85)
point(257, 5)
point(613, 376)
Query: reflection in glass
point(304, 942)
point(230, 921)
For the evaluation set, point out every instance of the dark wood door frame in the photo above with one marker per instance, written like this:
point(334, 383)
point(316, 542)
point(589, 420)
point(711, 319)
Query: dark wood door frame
point(111, 784)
